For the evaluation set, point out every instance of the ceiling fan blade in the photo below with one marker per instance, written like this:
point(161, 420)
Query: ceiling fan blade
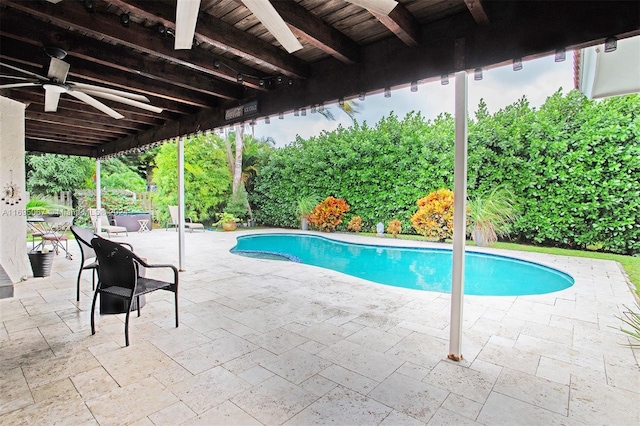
point(51, 99)
point(32, 74)
point(95, 103)
point(84, 87)
point(384, 7)
point(265, 12)
point(13, 77)
point(186, 19)
point(58, 70)
point(15, 85)
point(124, 100)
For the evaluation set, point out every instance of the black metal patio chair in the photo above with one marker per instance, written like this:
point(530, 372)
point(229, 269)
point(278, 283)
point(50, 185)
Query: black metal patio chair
point(119, 277)
point(84, 236)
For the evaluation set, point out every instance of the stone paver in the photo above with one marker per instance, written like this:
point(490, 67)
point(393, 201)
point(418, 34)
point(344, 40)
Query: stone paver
point(271, 342)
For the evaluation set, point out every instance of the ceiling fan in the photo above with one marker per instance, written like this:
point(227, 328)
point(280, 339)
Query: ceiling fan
point(56, 83)
point(187, 16)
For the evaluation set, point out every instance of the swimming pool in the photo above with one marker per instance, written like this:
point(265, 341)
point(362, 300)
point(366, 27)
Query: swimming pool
point(416, 268)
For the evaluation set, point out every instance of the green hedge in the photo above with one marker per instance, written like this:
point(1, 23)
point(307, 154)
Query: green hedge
point(573, 164)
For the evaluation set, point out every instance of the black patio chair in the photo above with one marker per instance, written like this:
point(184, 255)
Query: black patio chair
point(84, 236)
point(118, 277)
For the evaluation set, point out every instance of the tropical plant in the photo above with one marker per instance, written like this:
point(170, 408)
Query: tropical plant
point(327, 215)
point(238, 204)
point(51, 173)
point(490, 215)
point(38, 205)
point(305, 205)
point(355, 224)
point(394, 227)
point(434, 218)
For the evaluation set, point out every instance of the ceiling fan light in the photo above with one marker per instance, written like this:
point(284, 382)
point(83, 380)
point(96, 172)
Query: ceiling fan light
point(54, 52)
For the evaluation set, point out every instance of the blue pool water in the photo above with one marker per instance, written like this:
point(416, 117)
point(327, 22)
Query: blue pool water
point(416, 268)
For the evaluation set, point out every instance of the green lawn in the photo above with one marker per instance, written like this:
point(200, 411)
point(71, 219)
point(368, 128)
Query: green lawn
point(631, 264)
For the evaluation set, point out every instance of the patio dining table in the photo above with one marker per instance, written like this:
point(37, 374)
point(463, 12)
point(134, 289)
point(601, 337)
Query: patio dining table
point(52, 229)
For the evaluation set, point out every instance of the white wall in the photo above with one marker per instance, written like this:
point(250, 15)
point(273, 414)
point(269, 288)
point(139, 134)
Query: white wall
point(13, 224)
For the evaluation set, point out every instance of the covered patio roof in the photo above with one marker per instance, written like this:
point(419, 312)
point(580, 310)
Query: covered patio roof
point(347, 50)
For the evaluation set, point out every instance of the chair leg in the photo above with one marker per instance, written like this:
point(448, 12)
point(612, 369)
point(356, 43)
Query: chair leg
point(93, 279)
point(126, 323)
point(176, 297)
point(93, 308)
point(138, 302)
point(78, 289)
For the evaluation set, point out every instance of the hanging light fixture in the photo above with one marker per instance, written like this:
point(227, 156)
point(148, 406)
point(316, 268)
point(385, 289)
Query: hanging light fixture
point(362, 96)
point(517, 64)
point(561, 55)
point(124, 19)
point(444, 79)
point(240, 78)
point(281, 116)
point(341, 102)
point(414, 86)
point(314, 109)
point(296, 112)
point(477, 74)
point(267, 120)
point(303, 112)
point(610, 44)
point(387, 92)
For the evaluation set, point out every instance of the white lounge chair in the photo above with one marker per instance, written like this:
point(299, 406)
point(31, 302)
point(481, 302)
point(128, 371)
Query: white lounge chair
point(104, 223)
point(188, 223)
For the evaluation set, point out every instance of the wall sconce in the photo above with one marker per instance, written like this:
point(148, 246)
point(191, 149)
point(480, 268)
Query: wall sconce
point(124, 19)
point(296, 112)
point(561, 55)
point(387, 92)
point(361, 96)
point(414, 86)
point(610, 44)
point(444, 80)
point(517, 64)
point(477, 74)
point(267, 120)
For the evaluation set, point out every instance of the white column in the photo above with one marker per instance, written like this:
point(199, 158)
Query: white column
point(459, 216)
point(181, 204)
point(98, 198)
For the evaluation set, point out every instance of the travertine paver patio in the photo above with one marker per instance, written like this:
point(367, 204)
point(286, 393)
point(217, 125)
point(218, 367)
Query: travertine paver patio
point(270, 342)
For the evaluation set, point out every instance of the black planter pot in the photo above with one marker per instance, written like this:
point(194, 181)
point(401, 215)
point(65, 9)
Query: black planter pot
point(41, 263)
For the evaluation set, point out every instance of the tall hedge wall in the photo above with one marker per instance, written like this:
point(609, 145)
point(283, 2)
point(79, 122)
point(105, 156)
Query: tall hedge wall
point(574, 165)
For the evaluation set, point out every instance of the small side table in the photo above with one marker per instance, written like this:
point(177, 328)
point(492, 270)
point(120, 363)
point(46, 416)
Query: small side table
point(144, 225)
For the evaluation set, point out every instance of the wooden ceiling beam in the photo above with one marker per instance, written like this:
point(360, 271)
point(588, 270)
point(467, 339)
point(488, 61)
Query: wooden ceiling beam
point(402, 23)
point(223, 36)
point(86, 125)
point(97, 122)
point(49, 145)
point(317, 33)
point(106, 27)
point(477, 11)
point(30, 30)
point(64, 134)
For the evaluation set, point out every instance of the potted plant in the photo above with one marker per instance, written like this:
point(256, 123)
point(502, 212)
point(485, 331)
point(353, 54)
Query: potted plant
point(227, 221)
point(304, 208)
point(490, 215)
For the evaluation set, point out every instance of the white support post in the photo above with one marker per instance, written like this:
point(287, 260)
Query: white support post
point(97, 227)
point(181, 264)
point(459, 217)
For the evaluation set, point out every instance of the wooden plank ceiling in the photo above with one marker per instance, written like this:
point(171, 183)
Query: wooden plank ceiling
point(346, 50)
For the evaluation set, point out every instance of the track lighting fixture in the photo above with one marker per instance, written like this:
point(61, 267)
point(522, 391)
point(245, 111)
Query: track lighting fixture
point(610, 44)
point(124, 19)
point(444, 80)
point(477, 74)
point(561, 55)
point(517, 64)
point(387, 92)
point(414, 86)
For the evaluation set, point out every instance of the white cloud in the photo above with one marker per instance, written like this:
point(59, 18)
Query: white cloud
point(499, 88)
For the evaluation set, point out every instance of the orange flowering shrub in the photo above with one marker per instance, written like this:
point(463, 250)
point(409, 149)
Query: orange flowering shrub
point(355, 224)
point(394, 227)
point(434, 218)
point(328, 214)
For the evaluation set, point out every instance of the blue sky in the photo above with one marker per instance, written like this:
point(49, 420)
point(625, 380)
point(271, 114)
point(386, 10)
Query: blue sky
point(499, 87)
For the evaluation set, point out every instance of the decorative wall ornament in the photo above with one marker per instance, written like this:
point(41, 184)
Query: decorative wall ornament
point(11, 192)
